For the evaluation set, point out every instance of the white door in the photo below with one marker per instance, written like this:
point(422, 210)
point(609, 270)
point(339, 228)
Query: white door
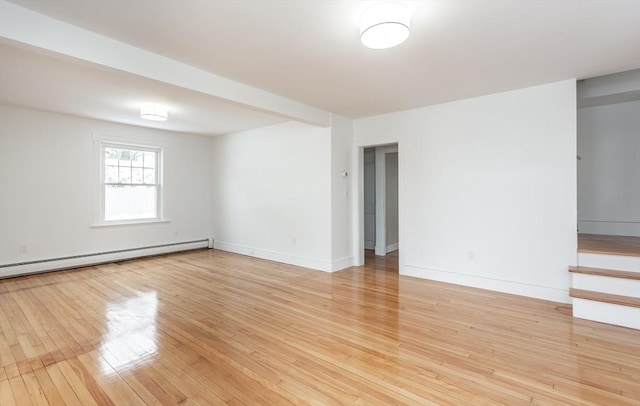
point(382, 234)
point(369, 198)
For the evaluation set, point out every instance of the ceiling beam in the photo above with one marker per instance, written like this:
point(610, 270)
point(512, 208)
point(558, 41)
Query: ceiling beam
point(25, 26)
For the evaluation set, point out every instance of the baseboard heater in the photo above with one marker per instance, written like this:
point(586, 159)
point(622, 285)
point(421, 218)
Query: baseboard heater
point(76, 261)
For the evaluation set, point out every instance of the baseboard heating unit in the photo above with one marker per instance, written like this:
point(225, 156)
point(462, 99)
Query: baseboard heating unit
point(76, 261)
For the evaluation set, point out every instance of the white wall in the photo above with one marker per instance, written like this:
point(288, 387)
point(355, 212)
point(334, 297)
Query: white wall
point(609, 171)
point(49, 187)
point(272, 193)
point(487, 189)
point(341, 221)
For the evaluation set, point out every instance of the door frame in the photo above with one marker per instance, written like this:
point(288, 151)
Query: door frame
point(358, 196)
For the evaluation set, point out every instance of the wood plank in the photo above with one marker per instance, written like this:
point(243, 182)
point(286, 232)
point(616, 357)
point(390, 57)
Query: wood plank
point(84, 393)
point(605, 272)
point(48, 387)
point(20, 393)
point(62, 386)
point(109, 382)
point(209, 327)
point(167, 395)
point(6, 394)
point(140, 390)
point(605, 297)
point(35, 390)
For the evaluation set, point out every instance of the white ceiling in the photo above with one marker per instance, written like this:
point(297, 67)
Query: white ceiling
point(44, 81)
point(309, 50)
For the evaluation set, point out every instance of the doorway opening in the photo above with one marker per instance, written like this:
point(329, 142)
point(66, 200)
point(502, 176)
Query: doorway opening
point(608, 145)
point(380, 209)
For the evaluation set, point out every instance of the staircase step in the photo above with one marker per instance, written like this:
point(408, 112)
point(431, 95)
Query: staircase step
point(617, 262)
point(605, 297)
point(605, 272)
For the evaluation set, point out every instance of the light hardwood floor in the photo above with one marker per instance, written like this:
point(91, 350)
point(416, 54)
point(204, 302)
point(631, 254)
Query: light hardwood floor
point(209, 327)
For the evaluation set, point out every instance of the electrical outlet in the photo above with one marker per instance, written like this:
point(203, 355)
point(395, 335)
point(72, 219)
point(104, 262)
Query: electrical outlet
point(24, 249)
point(471, 255)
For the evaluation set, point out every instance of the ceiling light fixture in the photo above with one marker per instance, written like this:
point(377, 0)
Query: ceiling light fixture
point(384, 25)
point(155, 112)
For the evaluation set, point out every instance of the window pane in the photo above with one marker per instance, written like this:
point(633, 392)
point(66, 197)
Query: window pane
point(136, 175)
point(130, 167)
point(150, 159)
point(149, 176)
point(111, 156)
point(111, 174)
point(125, 157)
point(130, 202)
point(137, 159)
point(124, 175)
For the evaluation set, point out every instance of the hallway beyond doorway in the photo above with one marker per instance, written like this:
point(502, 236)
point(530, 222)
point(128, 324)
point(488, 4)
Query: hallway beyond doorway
point(387, 263)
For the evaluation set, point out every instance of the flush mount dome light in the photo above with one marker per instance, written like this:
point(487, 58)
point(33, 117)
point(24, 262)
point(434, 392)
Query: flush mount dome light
point(155, 112)
point(384, 25)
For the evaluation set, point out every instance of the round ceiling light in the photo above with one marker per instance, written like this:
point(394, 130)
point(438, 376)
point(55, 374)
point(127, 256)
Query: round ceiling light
point(155, 112)
point(385, 25)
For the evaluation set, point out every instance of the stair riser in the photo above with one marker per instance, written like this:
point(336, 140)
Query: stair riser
point(616, 262)
point(605, 284)
point(607, 313)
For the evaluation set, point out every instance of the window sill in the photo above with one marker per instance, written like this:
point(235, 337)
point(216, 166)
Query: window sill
point(128, 223)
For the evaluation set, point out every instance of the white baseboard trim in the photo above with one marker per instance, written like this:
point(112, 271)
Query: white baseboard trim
point(306, 262)
point(340, 264)
point(369, 245)
point(498, 285)
point(77, 261)
point(392, 247)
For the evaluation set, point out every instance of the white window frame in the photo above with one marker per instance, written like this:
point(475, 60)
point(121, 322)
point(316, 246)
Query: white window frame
point(158, 184)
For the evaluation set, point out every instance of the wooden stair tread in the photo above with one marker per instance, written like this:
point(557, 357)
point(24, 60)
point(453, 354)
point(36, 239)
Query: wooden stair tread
point(605, 297)
point(605, 272)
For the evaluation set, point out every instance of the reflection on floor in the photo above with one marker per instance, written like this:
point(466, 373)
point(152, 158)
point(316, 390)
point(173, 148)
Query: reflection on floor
point(609, 244)
point(130, 340)
point(388, 263)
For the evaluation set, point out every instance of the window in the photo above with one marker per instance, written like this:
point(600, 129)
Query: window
point(130, 183)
